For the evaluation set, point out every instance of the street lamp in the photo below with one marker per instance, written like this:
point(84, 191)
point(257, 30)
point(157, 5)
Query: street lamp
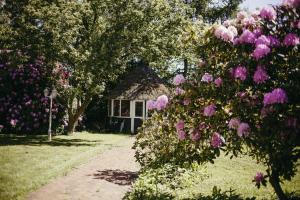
point(51, 97)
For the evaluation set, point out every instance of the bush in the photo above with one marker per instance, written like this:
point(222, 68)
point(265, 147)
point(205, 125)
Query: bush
point(241, 99)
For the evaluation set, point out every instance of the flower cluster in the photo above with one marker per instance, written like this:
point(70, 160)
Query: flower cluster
point(160, 104)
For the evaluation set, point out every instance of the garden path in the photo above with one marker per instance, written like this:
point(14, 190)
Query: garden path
point(106, 177)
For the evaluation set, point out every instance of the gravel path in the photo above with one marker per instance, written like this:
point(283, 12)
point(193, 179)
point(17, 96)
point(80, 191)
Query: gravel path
point(107, 177)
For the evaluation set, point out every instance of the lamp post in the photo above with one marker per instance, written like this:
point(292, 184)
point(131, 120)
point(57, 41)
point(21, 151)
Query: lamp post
point(51, 97)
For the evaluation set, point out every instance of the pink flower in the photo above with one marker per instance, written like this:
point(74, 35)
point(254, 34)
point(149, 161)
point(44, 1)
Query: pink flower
point(234, 123)
point(162, 102)
point(261, 51)
point(151, 104)
point(223, 33)
point(248, 21)
point(241, 15)
point(179, 125)
point(186, 102)
point(291, 3)
point(247, 37)
point(259, 177)
point(291, 39)
point(13, 122)
point(207, 78)
point(240, 72)
point(216, 140)
point(178, 79)
point(243, 129)
point(278, 95)
point(257, 32)
point(179, 91)
point(274, 42)
point(209, 110)
point(218, 82)
point(181, 135)
point(260, 75)
point(263, 40)
point(268, 13)
point(298, 24)
point(195, 136)
point(233, 30)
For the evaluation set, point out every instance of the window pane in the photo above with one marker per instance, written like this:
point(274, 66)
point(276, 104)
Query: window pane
point(116, 108)
point(139, 109)
point(125, 108)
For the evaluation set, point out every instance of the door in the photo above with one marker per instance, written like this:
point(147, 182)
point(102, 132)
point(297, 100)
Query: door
point(137, 113)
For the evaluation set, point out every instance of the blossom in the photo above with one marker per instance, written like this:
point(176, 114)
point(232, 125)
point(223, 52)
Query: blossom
point(257, 32)
point(291, 39)
point(218, 82)
point(209, 110)
point(13, 122)
point(291, 3)
point(298, 24)
point(181, 135)
point(241, 15)
point(247, 37)
point(274, 42)
point(259, 177)
point(161, 102)
point(178, 79)
point(186, 102)
point(151, 104)
point(248, 21)
point(195, 135)
point(179, 125)
point(278, 95)
point(243, 129)
point(262, 40)
point(268, 13)
point(234, 123)
point(240, 72)
point(260, 75)
point(223, 33)
point(261, 51)
point(207, 78)
point(216, 140)
point(179, 91)
point(233, 30)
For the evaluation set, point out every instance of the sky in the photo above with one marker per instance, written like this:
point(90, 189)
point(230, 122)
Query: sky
point(253, 4)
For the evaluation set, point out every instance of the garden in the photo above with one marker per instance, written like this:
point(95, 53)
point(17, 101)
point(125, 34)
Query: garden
point(229, 129)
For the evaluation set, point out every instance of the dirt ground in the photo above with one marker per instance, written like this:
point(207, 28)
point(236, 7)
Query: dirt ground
point(106, 177)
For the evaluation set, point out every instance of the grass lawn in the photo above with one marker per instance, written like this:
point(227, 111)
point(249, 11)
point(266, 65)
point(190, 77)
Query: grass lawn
point(29, 162)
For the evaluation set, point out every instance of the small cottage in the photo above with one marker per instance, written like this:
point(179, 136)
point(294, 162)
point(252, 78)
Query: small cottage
point(127, 102)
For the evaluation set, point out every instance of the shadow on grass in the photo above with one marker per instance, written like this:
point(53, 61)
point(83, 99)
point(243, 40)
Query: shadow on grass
point(119, 177)
point(43, 140)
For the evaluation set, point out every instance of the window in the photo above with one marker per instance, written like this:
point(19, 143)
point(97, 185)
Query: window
point(116, 108)
point(125, 108)
point(139, 109)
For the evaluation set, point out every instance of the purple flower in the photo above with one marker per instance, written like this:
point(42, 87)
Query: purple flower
point(274, 42)
point(261, 51)
point(218, 82)
point(259, 177)
point(178, 79)
point(240, 72)
point(263, 40)
point(243, 129)
point(278, 95)
point(268, 13)
point(291, 3)
point(186, 102)
point(181, 135)
point(260, 75)
point(179, 125)
point(234, 123)
point(291, 39)
point(151, 104)
point(207, 78)
point(216, 140)
point(209, 110)
point(179, 91)
point(257, 32)
point(195, 136)
point(247, 37)
point(162, 102)
point(13, 122)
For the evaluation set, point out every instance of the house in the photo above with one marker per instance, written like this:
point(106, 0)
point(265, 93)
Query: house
point(127, 102)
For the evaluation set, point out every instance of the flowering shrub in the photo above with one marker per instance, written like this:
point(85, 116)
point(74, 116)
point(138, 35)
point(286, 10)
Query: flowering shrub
point(244, 100)
point(23, 107)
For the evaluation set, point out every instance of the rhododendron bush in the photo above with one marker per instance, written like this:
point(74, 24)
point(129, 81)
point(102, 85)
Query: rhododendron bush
point(242, 99)
point(23, 107)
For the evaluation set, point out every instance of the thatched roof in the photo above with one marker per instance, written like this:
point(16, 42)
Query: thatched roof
point(142, 83)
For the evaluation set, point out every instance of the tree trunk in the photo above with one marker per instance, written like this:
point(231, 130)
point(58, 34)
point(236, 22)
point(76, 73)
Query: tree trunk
point(71, 125)
point(185, 69)
point(275, 182)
